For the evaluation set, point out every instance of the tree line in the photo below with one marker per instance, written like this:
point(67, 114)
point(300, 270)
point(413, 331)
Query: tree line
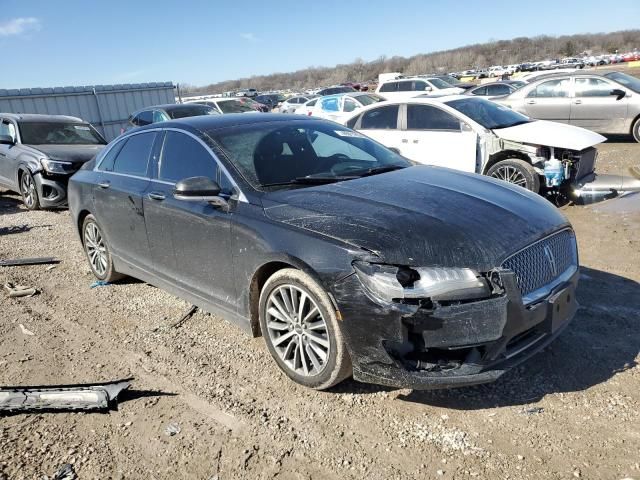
point(496, 52)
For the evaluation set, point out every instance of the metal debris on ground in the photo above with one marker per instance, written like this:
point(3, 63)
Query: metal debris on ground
point(99, 396)
point(99, 283)
point(172, 429)
point(16, 291)
point(18, 262)
point(532, 410)
point(65, 472)
point(25, 330)
point(185, 317)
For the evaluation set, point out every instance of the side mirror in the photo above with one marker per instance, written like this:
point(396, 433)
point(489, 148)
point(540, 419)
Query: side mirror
point(7, 140)
point(199, 189)
point(618, 93)
point(427, 89)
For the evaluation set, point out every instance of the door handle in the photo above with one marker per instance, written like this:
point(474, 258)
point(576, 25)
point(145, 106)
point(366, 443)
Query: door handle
point(404, 140)
point(156, 196)
point(104, 184)
point(531, 102)
point(578, 102)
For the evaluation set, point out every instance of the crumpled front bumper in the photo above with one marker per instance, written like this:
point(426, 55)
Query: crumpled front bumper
point(408, 346)
point(52, 189)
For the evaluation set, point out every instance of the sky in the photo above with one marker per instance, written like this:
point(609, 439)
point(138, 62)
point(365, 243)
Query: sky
point(47, 43)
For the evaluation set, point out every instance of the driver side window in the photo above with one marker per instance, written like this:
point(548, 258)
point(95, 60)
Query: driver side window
point(184, 157)
point(7, 128)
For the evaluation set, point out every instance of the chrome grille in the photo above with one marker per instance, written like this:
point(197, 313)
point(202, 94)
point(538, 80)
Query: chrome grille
point(544, 261)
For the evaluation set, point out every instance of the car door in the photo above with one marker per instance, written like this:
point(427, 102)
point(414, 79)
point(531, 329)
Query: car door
point(190, 242)
point(550, 100)
point(123, 178)
point(383, 125)
point(594, 107)
point(9, 154)
point(434, 136)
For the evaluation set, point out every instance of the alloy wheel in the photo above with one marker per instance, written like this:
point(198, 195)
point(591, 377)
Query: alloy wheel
point(511, 175)
point(297, 330)
point(28, 188)
point(96, 248)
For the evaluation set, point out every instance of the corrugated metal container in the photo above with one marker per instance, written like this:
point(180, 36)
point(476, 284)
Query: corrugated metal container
point(106, 107)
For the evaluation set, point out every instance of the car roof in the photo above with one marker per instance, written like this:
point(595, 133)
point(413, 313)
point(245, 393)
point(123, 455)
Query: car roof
point(214, 122)
point(37, 117)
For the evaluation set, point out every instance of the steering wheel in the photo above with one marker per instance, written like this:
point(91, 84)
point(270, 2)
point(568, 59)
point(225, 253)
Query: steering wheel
point(342, 168)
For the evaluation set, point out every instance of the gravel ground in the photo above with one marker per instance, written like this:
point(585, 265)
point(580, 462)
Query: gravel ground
point(571, 411)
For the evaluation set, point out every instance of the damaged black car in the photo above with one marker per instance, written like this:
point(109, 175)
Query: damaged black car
point(344, 256)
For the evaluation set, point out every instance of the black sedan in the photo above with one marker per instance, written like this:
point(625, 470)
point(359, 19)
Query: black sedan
point(342, 255)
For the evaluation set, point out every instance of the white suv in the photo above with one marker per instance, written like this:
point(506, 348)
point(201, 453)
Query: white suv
point(405, 88)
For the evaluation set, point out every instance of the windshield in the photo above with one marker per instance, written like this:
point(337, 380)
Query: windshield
point(627, 80)
point(369, 99)
point(43, 133)
point(488, 114)
point(299, 153)
point(436, 82)
point(191, 111)
point(232, 106)
point(450, 80)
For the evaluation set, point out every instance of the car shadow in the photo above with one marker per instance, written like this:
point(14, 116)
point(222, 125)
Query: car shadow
point(9, 203)
point(602, 340)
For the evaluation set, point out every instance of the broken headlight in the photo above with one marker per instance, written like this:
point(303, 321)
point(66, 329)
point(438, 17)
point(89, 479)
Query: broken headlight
point(391, 283)
point(55, 166)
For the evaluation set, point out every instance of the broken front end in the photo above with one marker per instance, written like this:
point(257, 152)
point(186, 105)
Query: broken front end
point(439, 327)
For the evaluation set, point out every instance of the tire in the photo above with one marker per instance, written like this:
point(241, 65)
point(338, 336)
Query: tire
point(635, 130)
point(29, 191)
point(97, 251)
point(516, 171)
point(305, 366)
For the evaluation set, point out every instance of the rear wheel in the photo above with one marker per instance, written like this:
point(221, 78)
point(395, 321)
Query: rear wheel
point(636, 130)
point(299, 324)
point(97, 251)
point(29, 191)
point(518, 172)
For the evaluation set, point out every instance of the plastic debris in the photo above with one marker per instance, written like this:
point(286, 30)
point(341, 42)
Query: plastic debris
point(27, 261)
point(25, 330)
point(65, 472)
point(99, 283)
point(16, 291)
point(172, 429)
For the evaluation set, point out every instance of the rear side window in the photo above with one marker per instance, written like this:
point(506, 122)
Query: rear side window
point(426, 117)
point(420, 85)
point(184, 157)
point(144, 118)
point(593, 87)
point(498, 90)
point(551, 89)
point(329, 104)
point(349, 105)
point(405, 86)
point(107, 161)
point(480, 91)
point(385, 118)
point(134, 155)
point(389, 87)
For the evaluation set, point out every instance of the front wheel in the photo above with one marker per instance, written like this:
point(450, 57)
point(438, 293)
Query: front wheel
point(518, 172)
point(29, 191)
point(300, 327)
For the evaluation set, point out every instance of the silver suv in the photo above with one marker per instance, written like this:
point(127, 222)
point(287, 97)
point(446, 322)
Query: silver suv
point(605, 102)
point(38, 154)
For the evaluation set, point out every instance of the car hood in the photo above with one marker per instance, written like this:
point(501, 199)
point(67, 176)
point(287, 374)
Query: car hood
point(77, 154)
point(551, 134)
point(421, 216)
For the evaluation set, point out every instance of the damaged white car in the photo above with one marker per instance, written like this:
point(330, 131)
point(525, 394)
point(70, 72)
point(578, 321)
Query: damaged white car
point(480, 136)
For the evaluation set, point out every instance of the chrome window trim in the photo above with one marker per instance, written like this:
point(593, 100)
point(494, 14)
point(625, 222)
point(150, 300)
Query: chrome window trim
point(113, 144)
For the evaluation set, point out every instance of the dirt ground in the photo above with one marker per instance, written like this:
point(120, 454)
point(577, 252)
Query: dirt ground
point(571, 411)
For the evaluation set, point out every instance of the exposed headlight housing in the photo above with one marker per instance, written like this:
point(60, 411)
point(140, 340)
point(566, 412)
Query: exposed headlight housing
point(390, 283)
point(55, 166)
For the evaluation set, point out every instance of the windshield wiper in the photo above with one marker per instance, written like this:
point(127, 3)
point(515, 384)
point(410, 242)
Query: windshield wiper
point(381, 169)
point(311, 180)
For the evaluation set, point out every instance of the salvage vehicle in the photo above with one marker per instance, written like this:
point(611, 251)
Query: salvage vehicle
point(342, 106)
point(163, 113)
point(343, 255)
point(307, 107)
point(336, 89)
point(38, 154)
point(606, 102)
point(495, 89)
point(228, 105)
point(271, 100)
point(290, 105)
point(404, 88)
point(473, 134)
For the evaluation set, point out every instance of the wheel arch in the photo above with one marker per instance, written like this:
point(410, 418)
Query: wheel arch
point(260, 277)
point(505, 155)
